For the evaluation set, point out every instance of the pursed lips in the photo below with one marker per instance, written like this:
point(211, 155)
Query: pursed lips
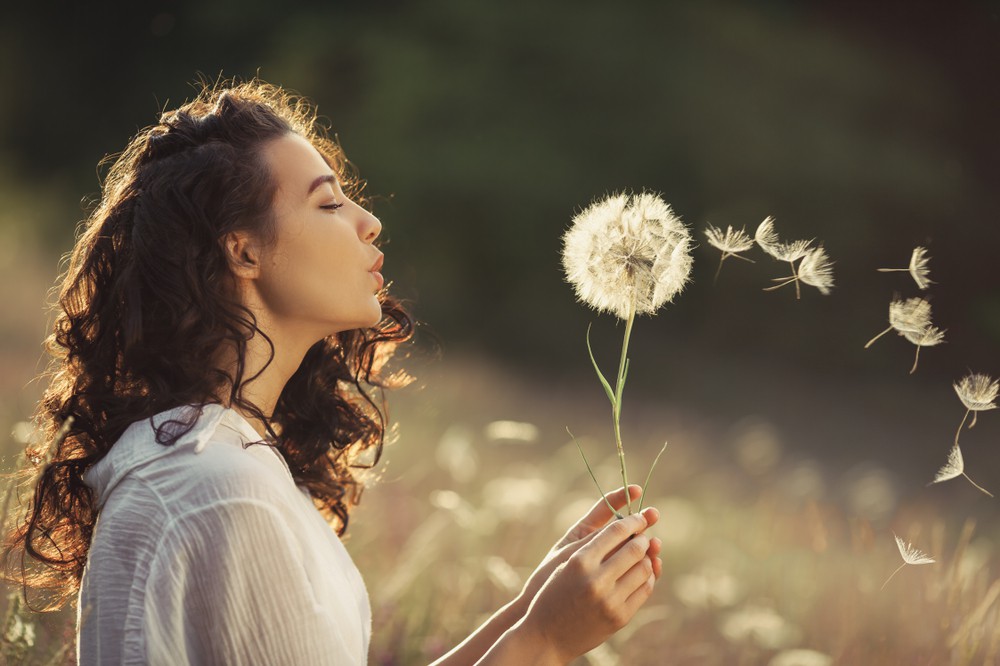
point(376, 267)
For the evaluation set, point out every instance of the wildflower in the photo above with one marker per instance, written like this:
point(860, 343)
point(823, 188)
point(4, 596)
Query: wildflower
point(928, 337)
point(912, 315)
point(731, 243)
point(767, 239)
point(918, 268)
point(956, 467)
point(977, 392)
point(627, 254)
point(910, 555)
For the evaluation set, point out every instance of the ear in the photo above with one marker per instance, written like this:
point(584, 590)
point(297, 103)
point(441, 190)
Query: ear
point(243, 253)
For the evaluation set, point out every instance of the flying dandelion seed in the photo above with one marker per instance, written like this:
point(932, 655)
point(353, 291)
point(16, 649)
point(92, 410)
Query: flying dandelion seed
point(977, 392)
point(910, 555)
point(928, 337)
point(792, 251)
point(910, 316)
point(815, 270)
point(918, 268)
point(627, 254)
point(955, 467)
point(731, 243)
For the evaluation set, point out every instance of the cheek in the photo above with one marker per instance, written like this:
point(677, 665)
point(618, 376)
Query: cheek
point(305, 277)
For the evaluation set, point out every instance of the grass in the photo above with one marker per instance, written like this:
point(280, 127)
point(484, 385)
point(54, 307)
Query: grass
point(768, 547)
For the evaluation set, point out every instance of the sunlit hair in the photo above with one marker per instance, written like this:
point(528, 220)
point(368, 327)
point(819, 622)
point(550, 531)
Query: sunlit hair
point(146, 304)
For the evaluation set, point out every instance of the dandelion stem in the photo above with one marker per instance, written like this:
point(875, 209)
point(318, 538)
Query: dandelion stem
point(959, 431)
point(642, 497)
point(891, 575)
point(620, 386)
point(870, 342)
point(975, 415)
point(977, 485)
point(891, 270)
point(916, 359)
point(719, 269)
point(795, 274)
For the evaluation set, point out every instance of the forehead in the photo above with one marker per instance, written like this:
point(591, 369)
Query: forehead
point(294, 164)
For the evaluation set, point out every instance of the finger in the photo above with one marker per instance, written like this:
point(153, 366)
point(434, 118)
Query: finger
point(600, 514)
point(640, 596)
point(632, 552)
point(655, 546)
point(612, 536)
point(565, 550)
point(633, 579)
point(652, 516)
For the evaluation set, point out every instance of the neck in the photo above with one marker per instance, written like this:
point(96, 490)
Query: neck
point(270, 374)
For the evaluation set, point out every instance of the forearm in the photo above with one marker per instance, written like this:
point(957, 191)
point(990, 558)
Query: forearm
point(522, 644)
point(473, 648)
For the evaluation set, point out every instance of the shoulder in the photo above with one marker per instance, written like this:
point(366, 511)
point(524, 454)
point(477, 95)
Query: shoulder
point(214, 460)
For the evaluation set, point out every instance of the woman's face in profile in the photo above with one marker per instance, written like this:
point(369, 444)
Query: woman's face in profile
point(317, 273)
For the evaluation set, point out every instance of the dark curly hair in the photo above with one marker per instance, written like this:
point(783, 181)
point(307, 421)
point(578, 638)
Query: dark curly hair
point(146, 304)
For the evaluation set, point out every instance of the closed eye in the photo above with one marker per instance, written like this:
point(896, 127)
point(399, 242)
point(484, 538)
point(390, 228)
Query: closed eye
point(333, 206)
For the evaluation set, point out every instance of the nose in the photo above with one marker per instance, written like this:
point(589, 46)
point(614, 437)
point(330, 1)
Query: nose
point(370, 227)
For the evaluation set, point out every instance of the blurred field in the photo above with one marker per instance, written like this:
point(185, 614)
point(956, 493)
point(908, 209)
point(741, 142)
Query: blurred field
point(780, 495)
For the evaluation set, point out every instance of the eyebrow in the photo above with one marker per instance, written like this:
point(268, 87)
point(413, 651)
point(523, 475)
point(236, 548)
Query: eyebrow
point(328, 178)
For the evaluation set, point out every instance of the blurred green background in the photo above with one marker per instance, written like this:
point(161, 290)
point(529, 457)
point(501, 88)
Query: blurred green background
point(483, 127)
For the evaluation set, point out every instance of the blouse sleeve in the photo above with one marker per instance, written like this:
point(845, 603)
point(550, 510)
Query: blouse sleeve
point(228, 586)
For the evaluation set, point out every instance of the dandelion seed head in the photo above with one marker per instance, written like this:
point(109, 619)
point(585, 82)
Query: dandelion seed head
point(910, 554)
point(977, 392)
point(913, 315)
point(930, 336)
point(730, 242)
point(816, 270)
point(767, 239)
point(953, 468)
point(918, 268)
point(625, 248)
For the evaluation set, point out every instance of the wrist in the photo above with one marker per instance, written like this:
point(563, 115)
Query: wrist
point(532, 642)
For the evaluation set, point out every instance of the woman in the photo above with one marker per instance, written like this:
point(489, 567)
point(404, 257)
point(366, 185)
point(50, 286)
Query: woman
point(220, 326)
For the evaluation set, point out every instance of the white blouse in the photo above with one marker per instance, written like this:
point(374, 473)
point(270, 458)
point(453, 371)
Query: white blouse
point(206, 552)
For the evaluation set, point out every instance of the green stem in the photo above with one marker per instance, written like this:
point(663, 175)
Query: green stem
point(619, 387)
point(592, 476)
point(642, 497)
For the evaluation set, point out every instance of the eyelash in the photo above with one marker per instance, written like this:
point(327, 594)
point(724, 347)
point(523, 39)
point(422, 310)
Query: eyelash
point(334, 206)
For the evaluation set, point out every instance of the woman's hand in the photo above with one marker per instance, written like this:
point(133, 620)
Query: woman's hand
point(589, 585)
point(594, 593)
point(580, 534)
